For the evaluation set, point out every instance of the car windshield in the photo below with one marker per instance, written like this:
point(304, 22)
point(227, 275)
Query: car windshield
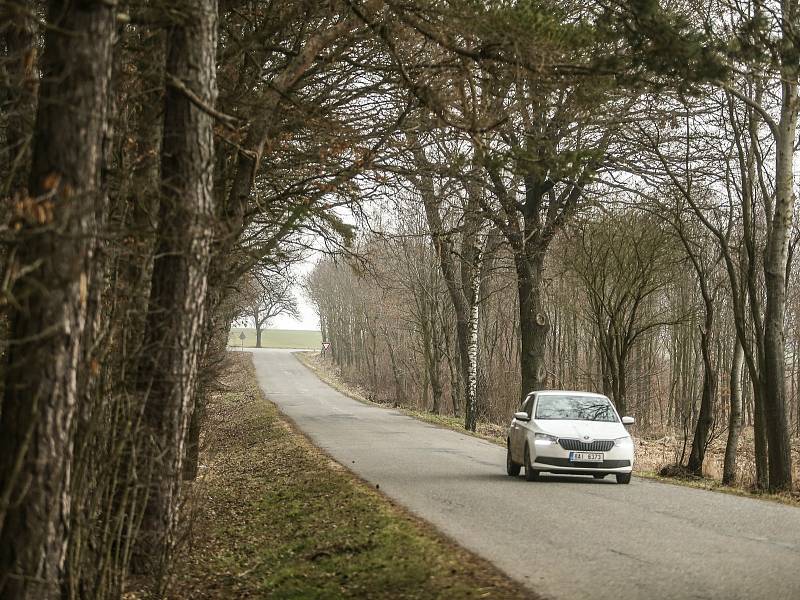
point(575, 408)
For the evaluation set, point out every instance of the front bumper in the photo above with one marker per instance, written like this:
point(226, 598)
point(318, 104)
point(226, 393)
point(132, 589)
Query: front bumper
point(555, 459)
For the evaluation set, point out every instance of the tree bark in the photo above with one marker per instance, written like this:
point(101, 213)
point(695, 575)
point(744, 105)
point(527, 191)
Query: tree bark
point(705, 417)
point(471, 397)
point(175, 320)
point(532, 321)
point(735, 417)
point(775, 261)
point(55, 231)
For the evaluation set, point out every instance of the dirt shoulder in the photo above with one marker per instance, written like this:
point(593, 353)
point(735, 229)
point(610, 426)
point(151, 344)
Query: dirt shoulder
point(273, 517)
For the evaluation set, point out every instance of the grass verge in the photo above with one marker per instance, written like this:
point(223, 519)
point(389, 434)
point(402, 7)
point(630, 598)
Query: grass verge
point(273, 517)
point(275, 338)
point(496, 434)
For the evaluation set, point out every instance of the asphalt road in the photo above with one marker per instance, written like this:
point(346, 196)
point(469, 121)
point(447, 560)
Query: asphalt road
point(562, 537)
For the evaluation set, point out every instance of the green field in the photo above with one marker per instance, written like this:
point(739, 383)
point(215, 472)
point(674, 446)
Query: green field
point(276, 338)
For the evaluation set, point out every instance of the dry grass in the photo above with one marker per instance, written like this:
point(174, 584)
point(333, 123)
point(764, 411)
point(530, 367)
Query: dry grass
point(273, 517)
point(654, 456)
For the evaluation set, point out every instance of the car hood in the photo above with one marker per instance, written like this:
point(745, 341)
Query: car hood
point(580, 430)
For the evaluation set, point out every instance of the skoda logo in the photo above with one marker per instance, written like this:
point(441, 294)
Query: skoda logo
point(586, 437)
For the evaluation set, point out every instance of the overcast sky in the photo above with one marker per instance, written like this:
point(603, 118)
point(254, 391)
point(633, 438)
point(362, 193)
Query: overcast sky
point(308, 316)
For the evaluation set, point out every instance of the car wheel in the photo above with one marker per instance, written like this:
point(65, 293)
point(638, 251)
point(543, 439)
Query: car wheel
point(599, 475)
point(623, 477)
point(530, 473)
point(512, 468)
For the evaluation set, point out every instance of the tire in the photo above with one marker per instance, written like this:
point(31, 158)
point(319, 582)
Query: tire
point(623, 477)
point(531, 474)
point(512, 468)
point(599, 475)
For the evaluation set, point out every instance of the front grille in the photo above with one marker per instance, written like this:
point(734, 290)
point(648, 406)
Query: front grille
point(565, 462)
point(595, 446)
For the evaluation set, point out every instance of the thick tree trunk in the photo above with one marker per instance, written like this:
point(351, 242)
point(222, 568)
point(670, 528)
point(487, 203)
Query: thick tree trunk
point(175, 320)
point(532, 321)
point(55, 232)
point(735, 417)
point(775, 261)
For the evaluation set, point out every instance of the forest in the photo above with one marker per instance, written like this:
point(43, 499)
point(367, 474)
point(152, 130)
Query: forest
point(507, 195)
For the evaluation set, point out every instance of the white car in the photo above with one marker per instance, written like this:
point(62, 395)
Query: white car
point(579, 433)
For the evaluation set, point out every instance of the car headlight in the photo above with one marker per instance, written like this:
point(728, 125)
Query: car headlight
point(624, 442)
point(543, 439)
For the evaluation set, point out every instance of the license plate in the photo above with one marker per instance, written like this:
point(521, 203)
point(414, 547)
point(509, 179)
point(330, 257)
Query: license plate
point(586, 457)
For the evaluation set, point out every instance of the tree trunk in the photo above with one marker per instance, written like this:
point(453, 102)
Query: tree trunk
point(621, 381)
point(735, 417)
point(760, 436)
point(533, 323)
point(175, 320)
point(455, 377)
point(797, 387)
point(54, 241)
point(432, 364)
point(775, 261)
point(705, 418)
point(259, 329)
point(471, 397)
point(463, 282)
point(400, 395)
point(459, 285)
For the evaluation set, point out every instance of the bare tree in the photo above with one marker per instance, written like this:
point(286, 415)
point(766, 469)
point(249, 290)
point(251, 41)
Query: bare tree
point(267, 294)
point(625, 261)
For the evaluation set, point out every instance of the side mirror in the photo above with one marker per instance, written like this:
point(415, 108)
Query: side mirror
point(521, 416)
point(628, 420)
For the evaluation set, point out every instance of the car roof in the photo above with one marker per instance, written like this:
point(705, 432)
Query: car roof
point(573, 392)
